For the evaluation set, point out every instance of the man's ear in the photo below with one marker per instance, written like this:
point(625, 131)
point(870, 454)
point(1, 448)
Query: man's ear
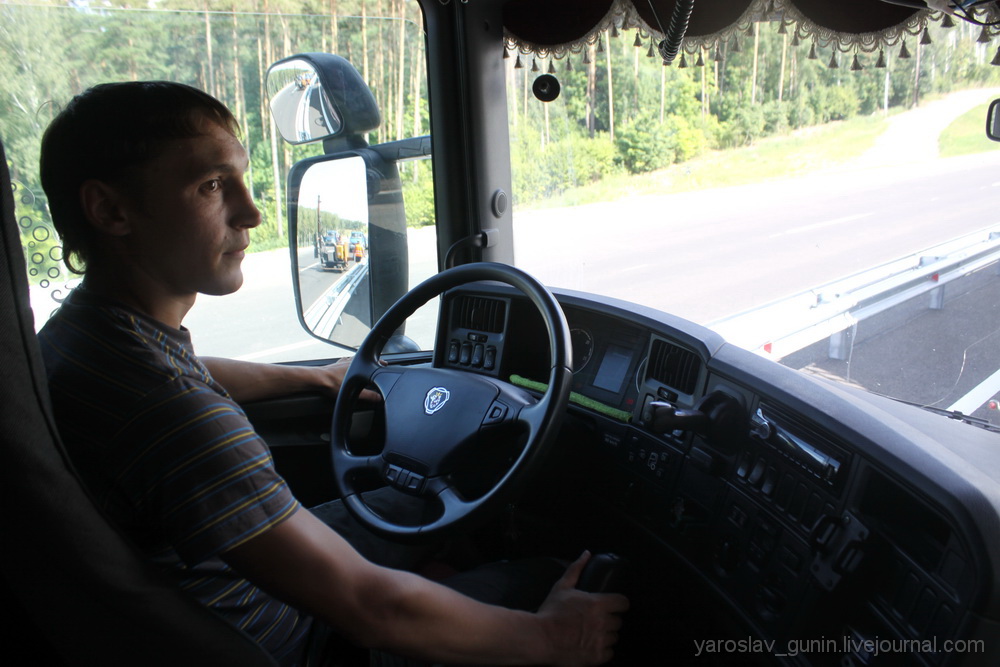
point(104, 207)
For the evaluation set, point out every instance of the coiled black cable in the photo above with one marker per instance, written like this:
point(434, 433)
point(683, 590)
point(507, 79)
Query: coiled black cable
point(674, 34)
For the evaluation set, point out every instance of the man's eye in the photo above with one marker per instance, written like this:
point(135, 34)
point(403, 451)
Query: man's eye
point(212, 186)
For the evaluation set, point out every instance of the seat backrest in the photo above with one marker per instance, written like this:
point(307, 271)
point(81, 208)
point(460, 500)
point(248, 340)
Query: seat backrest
point(67, 573)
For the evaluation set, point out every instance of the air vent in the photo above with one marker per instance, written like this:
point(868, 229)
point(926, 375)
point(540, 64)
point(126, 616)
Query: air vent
point(673, 366)
point(480, 314)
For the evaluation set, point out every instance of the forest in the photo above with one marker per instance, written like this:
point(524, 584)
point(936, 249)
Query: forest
point(621, 111)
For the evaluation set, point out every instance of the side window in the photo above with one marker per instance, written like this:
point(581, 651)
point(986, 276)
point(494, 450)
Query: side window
point(225, 54)
point(49, 280)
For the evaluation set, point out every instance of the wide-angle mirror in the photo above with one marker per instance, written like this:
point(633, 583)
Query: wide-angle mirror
point(330, 250)
point(300, 107)
point(316, 96)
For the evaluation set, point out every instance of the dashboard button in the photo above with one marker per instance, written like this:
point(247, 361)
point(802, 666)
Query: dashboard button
point(466, 354)
point(798, 503)
point(770, 481)
point(757, 472)
point(702, 459)
point(784, 493)
point(477, 355)
point(397, 476)
point(812, 511)
point(453, 349)
point(414, 483)
point(392, 474)
point(490, 358)
point(743, 468)
point(496, 413)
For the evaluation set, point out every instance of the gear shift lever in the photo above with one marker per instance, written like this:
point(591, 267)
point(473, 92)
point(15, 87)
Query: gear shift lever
point(604, 573)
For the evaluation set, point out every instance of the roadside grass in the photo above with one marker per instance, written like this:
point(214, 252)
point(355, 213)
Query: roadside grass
point(804, 151)
point(967, 134)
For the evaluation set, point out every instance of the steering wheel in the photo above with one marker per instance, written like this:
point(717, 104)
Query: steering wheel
point(435, 417)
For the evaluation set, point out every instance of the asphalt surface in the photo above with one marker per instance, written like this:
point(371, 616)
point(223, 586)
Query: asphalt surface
point(933, 357)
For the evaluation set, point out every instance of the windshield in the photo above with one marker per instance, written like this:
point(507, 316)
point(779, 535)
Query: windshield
point(829, 213)
point(832, 212)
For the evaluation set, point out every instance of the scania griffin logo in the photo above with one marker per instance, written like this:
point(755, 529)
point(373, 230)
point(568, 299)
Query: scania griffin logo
point(435, 399)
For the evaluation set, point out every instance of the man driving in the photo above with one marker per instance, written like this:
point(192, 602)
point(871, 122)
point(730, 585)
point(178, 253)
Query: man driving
point(145, 182)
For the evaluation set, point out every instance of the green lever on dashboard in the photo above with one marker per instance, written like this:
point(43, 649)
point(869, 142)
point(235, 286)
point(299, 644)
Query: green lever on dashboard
point(574, 397)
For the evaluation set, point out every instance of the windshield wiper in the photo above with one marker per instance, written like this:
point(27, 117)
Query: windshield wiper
point(957, 415)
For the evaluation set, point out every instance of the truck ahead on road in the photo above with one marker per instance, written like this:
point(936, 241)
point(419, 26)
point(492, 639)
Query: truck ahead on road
point(333, 252)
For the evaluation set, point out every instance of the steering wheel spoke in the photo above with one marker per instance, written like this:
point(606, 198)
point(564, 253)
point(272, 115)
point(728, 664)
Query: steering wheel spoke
point(453, 506)
point(350, 468)
point(369, 369)
point(533, 417)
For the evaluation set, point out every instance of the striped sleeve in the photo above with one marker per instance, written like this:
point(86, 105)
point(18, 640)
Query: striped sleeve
point(199, 473)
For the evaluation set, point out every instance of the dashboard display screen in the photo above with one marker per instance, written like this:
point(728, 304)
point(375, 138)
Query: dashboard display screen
point(613, 368)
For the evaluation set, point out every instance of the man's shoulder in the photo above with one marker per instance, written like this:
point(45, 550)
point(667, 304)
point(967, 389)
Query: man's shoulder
point(91, 338)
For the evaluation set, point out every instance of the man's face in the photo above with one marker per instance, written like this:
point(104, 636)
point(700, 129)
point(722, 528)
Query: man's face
point(191, 215)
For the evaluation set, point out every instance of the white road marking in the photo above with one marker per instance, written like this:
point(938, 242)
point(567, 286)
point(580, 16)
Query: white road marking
point(820, 225)
point(978, 396)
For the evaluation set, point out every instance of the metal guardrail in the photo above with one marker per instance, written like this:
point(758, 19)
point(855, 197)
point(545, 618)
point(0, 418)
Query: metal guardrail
point(782, 327)
point(322, 316)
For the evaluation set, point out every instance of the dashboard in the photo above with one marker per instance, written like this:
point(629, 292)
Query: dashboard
point(815, 511)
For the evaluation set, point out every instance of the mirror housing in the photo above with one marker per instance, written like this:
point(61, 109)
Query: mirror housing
point(321, 97)
point(331, 204)
point(355, 190)
point(993, 121)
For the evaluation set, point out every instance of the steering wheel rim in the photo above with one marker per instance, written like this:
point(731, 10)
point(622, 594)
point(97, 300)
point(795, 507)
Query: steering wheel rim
point(540, 418)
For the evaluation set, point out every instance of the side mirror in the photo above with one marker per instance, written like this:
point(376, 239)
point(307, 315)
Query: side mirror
point(348, 242)
point(330, 201)
point(319, 96)
point(993, 121)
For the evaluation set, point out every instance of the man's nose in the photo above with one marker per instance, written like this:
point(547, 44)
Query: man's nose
point(247, 215)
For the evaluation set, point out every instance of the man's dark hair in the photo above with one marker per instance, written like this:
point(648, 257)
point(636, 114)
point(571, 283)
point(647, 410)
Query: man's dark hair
point(105, 133)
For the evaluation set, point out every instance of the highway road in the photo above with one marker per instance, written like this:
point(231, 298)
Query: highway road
point(708, 254)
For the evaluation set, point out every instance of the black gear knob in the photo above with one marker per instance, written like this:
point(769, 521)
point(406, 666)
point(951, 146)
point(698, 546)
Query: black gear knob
point(604, 573)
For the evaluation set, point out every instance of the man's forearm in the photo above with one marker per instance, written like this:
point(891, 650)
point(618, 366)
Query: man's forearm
point(311, 567)
point(421, 619)
point(247, 381)
point(306, 564)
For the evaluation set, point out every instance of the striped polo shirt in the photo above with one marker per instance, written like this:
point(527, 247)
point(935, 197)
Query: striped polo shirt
point(169, 456)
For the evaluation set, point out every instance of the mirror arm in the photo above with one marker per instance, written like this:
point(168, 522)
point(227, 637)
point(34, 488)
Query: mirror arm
point(344, 143)
point(404, 149)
